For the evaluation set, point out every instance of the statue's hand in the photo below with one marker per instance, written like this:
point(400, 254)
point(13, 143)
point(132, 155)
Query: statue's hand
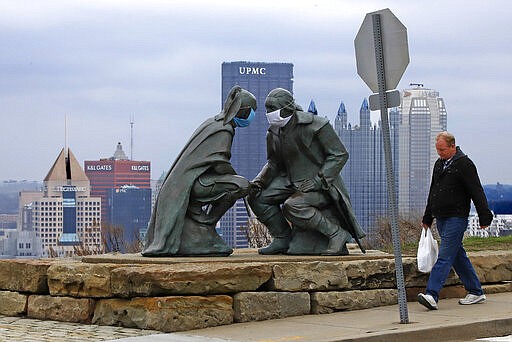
point(313, 184)
point(254, 189)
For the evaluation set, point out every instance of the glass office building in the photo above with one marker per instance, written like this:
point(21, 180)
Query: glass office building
point(364, 173)
point(249, 151)
point(130, 208)
point(114, 172)
point(422, 116)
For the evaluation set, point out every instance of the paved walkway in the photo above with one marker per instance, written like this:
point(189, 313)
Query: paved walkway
point(14, 329)
point(452, 322)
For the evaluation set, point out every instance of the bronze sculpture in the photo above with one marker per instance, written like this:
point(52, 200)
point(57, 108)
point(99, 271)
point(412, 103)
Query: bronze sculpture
point(301, 183)
point(201, 186)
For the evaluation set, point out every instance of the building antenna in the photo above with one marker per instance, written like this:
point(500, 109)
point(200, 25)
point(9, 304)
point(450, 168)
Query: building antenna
point(65, 133)
point(66, 149)
point(131, 136)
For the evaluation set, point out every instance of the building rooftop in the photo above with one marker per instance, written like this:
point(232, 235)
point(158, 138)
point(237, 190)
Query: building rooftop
point(119, 153)
point(59, 171)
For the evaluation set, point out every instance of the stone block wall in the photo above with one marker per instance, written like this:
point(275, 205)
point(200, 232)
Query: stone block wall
point(191, 294)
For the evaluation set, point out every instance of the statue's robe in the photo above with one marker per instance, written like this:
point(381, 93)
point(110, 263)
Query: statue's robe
point(209, 145)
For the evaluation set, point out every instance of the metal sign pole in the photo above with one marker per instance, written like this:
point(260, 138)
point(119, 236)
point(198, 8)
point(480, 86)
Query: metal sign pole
point(395, 233)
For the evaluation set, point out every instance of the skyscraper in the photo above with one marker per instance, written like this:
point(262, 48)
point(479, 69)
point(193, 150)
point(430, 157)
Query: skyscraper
point(249, 151)
point(113, 173)
point(130, 207)
point(364, 173)
point(63, 216)
point(422, 117)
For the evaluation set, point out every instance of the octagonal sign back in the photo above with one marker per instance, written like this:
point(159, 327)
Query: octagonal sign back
point(394, 46)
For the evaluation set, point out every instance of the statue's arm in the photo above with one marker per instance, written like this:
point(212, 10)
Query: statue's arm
point(224, 169)
point(223, 138)
point(272, 168)
point(335, 153)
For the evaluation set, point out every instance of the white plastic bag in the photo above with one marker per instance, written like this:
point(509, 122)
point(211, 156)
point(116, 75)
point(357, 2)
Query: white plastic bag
point(427, 251)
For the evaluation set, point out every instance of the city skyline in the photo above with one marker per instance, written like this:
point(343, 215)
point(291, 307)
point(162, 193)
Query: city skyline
point(102, 63)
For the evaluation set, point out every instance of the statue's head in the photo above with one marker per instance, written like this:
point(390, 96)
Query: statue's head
point(239, 107)
point(280, 99)
point(248, 102)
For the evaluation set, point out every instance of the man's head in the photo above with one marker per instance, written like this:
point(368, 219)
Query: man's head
point(280, 99)
point(445, 145)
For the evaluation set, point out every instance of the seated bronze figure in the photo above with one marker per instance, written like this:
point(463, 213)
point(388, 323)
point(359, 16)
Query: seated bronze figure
point(201, 186)
point(299, 194)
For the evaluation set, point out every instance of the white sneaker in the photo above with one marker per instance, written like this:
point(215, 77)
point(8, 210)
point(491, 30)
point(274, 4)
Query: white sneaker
point(427, 301)
point(472, 299)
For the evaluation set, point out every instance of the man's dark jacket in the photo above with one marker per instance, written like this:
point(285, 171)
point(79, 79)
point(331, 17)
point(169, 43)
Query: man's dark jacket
point(452, 189)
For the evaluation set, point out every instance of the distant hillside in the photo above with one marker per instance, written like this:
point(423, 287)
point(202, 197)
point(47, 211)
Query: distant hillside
point(9, 194)
point(499, 197)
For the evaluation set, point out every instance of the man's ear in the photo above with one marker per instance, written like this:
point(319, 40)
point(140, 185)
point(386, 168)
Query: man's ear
point(232, 104)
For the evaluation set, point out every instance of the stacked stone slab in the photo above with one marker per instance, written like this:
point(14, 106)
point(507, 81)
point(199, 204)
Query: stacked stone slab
point(183, 294)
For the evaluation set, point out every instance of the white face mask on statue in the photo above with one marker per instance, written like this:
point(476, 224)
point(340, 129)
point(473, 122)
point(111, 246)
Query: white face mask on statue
point(274, 119)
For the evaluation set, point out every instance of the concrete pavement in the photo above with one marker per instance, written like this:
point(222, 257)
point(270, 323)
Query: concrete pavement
point(452, 322)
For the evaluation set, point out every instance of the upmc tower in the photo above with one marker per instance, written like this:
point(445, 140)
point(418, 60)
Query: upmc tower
point(249, 150)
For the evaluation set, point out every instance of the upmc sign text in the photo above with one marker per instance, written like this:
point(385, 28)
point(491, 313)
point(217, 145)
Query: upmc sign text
point(252, 71)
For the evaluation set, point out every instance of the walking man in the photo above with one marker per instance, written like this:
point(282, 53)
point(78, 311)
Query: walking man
point(455, 183)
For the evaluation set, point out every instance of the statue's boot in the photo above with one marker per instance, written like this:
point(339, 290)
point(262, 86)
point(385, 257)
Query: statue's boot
point(216, 211)
point(281, 234)
point(337, 236)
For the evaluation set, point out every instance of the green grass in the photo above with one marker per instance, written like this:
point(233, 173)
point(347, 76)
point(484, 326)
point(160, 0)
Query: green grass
point(490, 243)
point(471, 244)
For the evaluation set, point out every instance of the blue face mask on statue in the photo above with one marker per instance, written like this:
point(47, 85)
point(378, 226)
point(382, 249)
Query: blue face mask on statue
point(239, 122)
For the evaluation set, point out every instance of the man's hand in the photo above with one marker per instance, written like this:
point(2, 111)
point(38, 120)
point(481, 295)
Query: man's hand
point(484, 227)
point(425, 226)
point(313, 184)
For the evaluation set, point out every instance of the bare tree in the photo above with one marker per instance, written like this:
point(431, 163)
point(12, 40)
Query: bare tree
point(410, 232)
point(114, 240)
point(257, 234)
point(52, 253)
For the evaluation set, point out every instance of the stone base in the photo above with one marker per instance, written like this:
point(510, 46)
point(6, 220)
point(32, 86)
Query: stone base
point(166, 314)
point(177, 294)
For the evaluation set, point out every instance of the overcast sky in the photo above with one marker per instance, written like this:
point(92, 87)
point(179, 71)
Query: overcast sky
point(100, 62)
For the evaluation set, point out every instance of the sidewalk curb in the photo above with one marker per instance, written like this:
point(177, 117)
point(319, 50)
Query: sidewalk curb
point(454, 332)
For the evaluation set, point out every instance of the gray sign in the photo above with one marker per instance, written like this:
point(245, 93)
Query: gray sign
point(394, 45)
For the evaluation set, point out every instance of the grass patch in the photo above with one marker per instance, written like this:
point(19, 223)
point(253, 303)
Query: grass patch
point(471, 244)
point(488, 244)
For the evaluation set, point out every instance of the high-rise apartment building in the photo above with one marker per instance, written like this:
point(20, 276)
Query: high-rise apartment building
point(63, 216)
point(249, 150)
point(422, 117)
point(364, 173)
point(113, 173)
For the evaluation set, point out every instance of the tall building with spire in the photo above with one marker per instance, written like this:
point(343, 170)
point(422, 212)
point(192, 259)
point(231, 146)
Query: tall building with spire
point(249, 150)
point(364, 173)
point(422, 116)
point(63, 216)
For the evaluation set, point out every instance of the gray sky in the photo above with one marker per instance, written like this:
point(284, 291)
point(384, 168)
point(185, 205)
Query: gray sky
point(101, 61)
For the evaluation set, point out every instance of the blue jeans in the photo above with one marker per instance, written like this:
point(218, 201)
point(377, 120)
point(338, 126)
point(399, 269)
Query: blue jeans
point(452, 253)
